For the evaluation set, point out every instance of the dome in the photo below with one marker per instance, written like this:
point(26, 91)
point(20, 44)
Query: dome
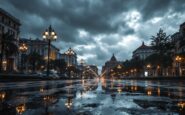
point(113, 58)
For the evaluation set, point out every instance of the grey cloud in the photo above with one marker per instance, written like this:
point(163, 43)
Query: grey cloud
point(93, 16)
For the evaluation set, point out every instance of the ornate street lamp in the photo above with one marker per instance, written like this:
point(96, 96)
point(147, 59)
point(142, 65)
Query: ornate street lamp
point(22, 48)
point(178, 59)
point(49, 35)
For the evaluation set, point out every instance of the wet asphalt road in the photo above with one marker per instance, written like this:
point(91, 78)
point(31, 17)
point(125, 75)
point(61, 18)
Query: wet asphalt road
point(93, 97)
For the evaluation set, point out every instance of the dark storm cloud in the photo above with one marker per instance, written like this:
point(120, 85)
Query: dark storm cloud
point(92, 15)
point(95, 17)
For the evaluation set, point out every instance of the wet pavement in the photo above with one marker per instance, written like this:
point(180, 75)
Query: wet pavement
point(93, 97)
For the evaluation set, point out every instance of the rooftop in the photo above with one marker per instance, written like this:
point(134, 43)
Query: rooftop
point(143, 47)
point(36, 41)
point(9, 15)
point(113, 58)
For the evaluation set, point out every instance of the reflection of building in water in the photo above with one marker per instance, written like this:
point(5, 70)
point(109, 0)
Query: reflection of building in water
point(90, 71)
point(94, 68)
point(116, 87)
point(104, 82)
point(113, 97)
point(49, 100)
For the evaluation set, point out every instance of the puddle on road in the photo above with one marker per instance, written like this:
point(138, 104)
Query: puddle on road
point(92, 97)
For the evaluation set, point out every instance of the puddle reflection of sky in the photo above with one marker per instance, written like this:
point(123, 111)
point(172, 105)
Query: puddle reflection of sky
point(105, 97)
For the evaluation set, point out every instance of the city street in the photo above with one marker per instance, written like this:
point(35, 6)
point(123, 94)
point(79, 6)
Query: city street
point(92, 57)
point(93, 96)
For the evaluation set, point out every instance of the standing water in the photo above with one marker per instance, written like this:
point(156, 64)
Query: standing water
point(93, 97)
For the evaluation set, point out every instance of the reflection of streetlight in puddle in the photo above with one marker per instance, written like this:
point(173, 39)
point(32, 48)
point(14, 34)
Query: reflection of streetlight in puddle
point(119, 90)
point(81, 94)
point(41, 90)
point(158, 91)
point(83, 82)
point(132, 88)
point(149, 91)
point(2, 95)
point(181, 105)
point(48, 99)
point(20, 109)
point(135, 88)
point(69, 103)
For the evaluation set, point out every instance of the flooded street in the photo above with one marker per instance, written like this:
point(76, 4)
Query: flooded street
point(93, 97)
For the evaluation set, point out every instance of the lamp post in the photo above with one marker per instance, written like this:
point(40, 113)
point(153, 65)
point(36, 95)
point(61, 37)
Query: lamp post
point(22, 48)
point(178, 60)
point(49, 35)
point(148, 69)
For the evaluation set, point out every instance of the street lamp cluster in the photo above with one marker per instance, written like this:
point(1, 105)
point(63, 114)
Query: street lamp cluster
point(23, 48)
point(49, 35)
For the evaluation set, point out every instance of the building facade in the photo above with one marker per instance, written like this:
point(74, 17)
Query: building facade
point(109, 65)
point(178, 39)
point(11, 25)
point(142, 51)
point(70, 57)
point(40, 47)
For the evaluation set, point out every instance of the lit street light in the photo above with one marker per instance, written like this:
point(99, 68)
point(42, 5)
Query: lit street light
point(22, 48)
point(49, 35)
point(178, 59)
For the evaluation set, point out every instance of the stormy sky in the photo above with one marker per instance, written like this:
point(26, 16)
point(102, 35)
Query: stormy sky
point(96, 29)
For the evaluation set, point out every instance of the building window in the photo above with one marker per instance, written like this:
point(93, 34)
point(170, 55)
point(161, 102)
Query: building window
point(3, 29)
point(9, 23)
point(2, 19)
point(14, 26)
